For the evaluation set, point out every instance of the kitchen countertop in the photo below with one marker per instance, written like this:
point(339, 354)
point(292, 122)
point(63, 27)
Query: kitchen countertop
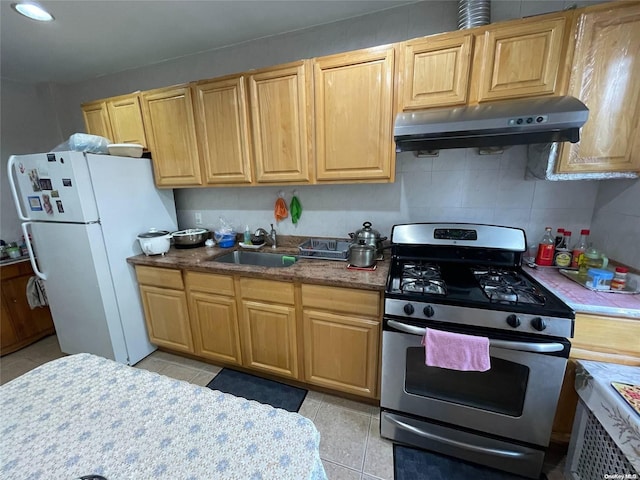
point(11, 261)
point(324, 272)
point(583, 300)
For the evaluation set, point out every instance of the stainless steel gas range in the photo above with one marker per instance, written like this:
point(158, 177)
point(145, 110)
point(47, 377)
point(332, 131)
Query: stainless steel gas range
point(466, 278)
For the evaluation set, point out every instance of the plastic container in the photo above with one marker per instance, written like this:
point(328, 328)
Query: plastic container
point(599, 279)
point(225, 239)
point(247, 236)
point(619, 281)
point(125, 149)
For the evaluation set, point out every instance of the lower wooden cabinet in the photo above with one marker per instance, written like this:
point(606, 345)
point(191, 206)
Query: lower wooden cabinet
point(214, 317)
point(341, 330)
point(20, 326)
point(268, 326)
point(600, 339)
point(165, 309)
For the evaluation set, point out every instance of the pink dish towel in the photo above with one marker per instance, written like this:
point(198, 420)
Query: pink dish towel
point(456, 351)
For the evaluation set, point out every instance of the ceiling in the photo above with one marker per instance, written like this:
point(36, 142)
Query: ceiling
point(91, 38)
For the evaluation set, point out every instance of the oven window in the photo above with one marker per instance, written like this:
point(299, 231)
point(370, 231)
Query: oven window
point(500, 389)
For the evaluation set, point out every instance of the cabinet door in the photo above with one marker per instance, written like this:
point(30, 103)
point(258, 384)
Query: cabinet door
point(167, 317)
point(214, 322)
point(26, 322)
point(8, 335)
point(606, 77)
point(125, 114)
point(224, 134)
point(269, 338)
point(434, 71)
point(170, 127)
point(354, 116)
point(341, 352)
point(96, 119)
point(280, 117)
point(522, 59)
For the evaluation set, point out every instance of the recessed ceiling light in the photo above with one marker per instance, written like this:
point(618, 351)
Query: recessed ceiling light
point(33, 11)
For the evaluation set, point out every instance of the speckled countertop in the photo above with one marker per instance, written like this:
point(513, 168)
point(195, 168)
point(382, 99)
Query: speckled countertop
point(583, 300)
point(323, 272)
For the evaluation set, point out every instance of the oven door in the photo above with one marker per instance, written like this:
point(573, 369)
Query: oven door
point(516, 398)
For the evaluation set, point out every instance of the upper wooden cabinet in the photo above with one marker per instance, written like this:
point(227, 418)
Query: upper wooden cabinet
point(606, 77)
point(523, 58)
point(125, 114)
point(280, 99)
point(170, 125)
point(434, 71)
point(96, 119)
point(118, 118)
point(223, 130)
point(354, 116)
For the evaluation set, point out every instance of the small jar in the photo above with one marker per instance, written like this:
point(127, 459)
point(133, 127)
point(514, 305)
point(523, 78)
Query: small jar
point(619, 280)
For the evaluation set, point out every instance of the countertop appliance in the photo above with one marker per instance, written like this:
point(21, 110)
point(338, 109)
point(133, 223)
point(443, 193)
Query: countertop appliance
point(467, 278)
point(492, 124)
point(84, 212)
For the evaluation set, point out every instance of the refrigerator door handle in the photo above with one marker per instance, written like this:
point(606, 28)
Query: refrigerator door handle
point(32, 258)
point(14, 191)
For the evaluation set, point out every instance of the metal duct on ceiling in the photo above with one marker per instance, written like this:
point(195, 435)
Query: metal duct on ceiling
point(473, 13)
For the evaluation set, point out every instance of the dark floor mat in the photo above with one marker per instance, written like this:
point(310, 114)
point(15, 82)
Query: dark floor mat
point(261, 390)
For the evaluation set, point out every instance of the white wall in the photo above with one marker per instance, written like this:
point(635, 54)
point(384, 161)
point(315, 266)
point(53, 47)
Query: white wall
point(29, 125)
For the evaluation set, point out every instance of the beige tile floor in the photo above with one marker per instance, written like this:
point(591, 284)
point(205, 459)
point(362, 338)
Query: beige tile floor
point(350, 446)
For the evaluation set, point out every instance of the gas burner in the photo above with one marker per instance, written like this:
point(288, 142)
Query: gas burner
point(421, 270)
point(423, 285)
point(507, 286)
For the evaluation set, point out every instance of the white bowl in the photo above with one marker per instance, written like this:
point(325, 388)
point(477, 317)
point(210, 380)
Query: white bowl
point(125, 149)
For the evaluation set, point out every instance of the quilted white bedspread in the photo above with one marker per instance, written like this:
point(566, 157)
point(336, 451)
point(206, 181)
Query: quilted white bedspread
point(84, 414)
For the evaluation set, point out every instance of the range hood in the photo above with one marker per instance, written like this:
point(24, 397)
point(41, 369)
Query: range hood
point(495, 124)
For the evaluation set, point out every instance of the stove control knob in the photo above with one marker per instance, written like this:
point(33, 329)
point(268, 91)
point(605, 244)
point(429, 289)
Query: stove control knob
point(428, 311)
point(408, 309)
point(539, 324)
point(513, 321)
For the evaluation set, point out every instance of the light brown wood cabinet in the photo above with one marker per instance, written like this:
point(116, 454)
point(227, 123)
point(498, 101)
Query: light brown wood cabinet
point(434, 71)
point(522, 58)
point(165, 307)
point(96, 119)
point(606, 77)
point(341, 338)
point(223, 130)
point(20, 326)
point(170, 126)
point(354, 116)
point(281, 119)
point(214, 316)
point(268, 327)
point(601, 339)
point(117, 118)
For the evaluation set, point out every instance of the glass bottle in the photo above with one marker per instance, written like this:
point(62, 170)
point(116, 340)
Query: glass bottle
point(577, 255)
point(562, 257)
point(559, 237)
point(546, 247)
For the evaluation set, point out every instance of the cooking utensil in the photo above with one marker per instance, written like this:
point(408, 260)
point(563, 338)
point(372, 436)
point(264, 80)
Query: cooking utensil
point(370, 237)
point(155, 242)
point(190, 238)
point(362, 254)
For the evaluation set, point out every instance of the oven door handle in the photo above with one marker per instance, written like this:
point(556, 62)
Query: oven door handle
point(508, 345)
point(455, 443)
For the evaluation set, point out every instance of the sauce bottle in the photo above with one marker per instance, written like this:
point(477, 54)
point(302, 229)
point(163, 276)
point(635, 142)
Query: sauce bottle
point(546, 247)
point(577, 255)
point(562, 257)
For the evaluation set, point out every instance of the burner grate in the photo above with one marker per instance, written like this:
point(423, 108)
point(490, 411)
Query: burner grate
point(507, 286)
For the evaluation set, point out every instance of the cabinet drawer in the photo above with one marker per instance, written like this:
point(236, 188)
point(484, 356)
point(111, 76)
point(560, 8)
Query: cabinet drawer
point(16, 270)
point(267, 290)
point(347, 300)
point(159, 277)
point(210, 283)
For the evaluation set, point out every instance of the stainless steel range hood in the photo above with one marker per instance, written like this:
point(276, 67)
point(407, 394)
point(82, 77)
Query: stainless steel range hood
point(495, 124)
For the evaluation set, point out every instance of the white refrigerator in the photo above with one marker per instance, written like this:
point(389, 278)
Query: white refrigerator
point(84, 213)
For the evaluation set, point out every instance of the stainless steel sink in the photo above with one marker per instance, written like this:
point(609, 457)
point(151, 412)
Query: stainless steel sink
point(258, 258)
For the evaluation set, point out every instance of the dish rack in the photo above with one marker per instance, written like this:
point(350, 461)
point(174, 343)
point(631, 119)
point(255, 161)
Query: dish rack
point(325, 248)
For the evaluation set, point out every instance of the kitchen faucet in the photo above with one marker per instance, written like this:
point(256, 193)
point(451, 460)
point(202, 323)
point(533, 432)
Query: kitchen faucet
point(271, 237)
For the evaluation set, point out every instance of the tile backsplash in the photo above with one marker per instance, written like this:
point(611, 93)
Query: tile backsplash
point(457, 186)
